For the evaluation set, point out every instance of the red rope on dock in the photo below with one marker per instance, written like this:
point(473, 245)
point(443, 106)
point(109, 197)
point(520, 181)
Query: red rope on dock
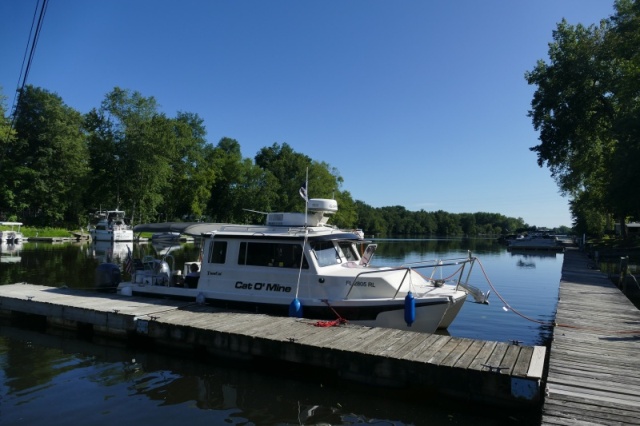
point(333, 323)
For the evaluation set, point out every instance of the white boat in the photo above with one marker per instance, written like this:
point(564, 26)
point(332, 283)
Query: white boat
point(536, 243)
point(111, 226)
point(300, 266)
point(13, 235)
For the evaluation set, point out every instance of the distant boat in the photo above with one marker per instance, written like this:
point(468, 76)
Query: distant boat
point(111, 226)
point(11, 236)
point(536, 242)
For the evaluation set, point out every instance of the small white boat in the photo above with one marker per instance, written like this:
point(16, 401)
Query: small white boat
point(13, 235)
point(111, 226)
point(298, 265)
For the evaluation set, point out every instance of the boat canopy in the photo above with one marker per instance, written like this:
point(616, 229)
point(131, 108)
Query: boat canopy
point(163, 227)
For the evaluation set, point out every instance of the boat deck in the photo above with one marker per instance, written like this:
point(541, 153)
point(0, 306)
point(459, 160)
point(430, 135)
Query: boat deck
point(594, 359)
point(483, 371)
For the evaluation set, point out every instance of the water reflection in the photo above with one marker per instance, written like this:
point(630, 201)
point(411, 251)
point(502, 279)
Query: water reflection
point(527, 259)
point(101, 384)
point(110, 252)
point(10, 253)
point(408, 251)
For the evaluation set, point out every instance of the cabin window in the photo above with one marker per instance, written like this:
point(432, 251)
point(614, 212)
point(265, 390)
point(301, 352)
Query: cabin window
point(349, 251)
point(281, 255)
point(218, 252)
point(326, 253)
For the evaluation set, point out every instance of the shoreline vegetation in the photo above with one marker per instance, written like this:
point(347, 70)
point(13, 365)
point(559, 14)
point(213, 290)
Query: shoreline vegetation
point(601, 244)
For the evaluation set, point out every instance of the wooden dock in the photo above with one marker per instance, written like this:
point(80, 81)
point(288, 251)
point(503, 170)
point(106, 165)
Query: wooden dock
point(594, 358)
point(484, 371)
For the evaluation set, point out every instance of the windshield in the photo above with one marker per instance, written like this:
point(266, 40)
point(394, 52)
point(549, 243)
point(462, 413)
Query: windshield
point(349, 251)
point(326, 253)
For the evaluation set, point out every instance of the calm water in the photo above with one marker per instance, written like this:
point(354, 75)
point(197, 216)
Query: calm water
point(103, 382)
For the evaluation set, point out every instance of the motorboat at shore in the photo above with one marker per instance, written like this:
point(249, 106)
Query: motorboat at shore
point(13, 235)
point(112, 225)
point(298, 265)
point(535, 243)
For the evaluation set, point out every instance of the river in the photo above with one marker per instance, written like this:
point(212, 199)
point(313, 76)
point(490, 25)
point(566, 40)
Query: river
point(58, 378)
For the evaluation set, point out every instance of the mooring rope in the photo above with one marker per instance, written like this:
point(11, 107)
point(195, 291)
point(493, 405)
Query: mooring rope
point(549, 323)
point(332, 323)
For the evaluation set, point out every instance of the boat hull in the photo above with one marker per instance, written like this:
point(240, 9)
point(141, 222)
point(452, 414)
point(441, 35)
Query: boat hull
point(452, 311)
point(386, 313)
point(125, 235)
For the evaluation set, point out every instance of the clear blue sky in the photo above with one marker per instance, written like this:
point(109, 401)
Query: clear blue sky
point(421, 104)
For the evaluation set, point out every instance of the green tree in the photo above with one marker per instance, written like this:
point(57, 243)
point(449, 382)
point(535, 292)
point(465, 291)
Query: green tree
point(468, 224)
point(132, 147)
point(586, 109)
point(290, 171)
point(7, 135)
point(47, 161)
point(623, 44)
point(369, 219)
point(573, 110)
point(192, 176)
point(234, 177)
point(448, 224)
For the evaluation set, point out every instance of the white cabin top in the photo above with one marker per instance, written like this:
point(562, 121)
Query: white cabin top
point(317, 215)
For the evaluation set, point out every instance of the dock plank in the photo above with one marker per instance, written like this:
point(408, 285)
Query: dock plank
point(470, 354)
point(452, 358)
point(522, 363)
point(482, 358)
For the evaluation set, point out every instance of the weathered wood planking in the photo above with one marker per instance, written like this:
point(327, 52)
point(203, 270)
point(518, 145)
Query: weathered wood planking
point(499, 373)
point(594, 359)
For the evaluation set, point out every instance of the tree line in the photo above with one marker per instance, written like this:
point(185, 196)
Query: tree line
point(57, 166)
point(587, 110)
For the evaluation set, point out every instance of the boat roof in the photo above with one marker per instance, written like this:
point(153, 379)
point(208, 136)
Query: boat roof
point(11, 223)
point(312, 224)
point(281, 232)
point(164, 227)
point(197, 229)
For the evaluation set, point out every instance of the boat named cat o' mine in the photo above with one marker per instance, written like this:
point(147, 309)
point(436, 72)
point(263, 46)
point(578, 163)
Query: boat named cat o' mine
point(296, 264)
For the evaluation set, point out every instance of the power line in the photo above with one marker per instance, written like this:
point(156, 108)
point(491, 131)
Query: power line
point(29, 53)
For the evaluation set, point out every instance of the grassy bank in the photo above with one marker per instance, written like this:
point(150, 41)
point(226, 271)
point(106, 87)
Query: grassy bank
point(31, 232)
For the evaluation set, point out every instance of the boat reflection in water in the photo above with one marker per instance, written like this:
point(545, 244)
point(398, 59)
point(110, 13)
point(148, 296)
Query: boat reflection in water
point(10, 252)
point(111, 252)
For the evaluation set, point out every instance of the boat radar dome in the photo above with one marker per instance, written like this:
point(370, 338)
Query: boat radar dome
point(323, 205)
point(319, 210)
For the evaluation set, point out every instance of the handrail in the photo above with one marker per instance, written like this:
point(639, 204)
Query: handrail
point(463, 261)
